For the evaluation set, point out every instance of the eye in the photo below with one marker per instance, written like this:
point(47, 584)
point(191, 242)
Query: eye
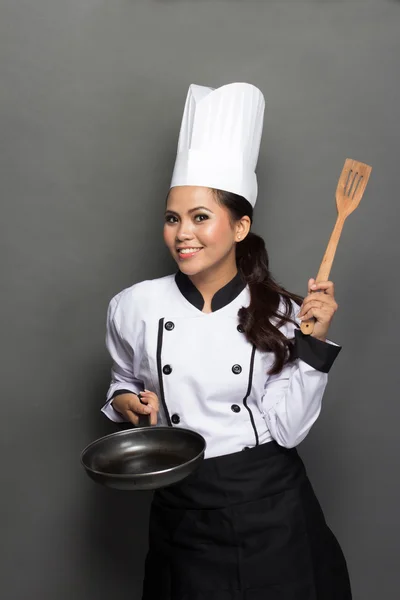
point(200, 218)
point(171, 219)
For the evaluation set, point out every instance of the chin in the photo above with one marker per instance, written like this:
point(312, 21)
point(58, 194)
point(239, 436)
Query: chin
point(190, 267)
point(189, 270)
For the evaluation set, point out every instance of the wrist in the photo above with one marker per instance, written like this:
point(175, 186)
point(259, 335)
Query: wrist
point(115, 408)
point(321, 339)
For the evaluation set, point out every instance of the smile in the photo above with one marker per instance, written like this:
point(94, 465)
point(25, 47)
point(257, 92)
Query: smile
point(188, 252)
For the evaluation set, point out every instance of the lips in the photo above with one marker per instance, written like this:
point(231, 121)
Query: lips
point(188, 252)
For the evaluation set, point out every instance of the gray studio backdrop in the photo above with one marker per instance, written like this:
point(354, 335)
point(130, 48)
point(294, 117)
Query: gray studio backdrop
point(91, 98)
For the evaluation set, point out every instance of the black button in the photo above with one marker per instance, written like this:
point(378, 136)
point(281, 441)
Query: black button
point(235, 408)
point(175, 419)
point(169, 325)
point(246, 448)
point(236, 369)
point(167, 370)
point(240, 329)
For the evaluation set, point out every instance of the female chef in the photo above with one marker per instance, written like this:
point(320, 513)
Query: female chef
point(217, 349)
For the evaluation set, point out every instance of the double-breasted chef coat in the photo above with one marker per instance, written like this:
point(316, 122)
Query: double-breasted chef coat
point(244, 525)
point(207, 376)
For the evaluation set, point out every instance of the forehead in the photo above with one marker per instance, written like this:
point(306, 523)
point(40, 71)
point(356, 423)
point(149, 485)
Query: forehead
point(184, 198)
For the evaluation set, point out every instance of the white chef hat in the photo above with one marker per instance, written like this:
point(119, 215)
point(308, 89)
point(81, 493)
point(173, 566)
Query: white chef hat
point(219, 139)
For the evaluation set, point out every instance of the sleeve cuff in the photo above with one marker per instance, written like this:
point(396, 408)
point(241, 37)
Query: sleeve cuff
point(119, 392)
point(319, 355)
point(109, 411)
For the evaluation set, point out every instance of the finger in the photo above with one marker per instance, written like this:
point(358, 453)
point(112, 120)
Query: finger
point(153, 417)
point(311, 303)
point(309, 311)
point(151, 401)
point(154, 405)
point(137, 407)
point(321, 299)
point(329, 308)
point(320, 315)
point(134, 419)
point(310, 314)
point(148, 394)
point(317, 303)
point(324, 286)
point(150, 398)
point(307, 316)
point(311, 282)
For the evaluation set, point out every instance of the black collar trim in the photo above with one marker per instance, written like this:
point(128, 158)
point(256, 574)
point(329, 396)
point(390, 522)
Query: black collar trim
point(221, 298)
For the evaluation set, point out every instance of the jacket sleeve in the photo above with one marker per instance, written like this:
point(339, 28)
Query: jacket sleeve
point(292, 399)
point(121, 352)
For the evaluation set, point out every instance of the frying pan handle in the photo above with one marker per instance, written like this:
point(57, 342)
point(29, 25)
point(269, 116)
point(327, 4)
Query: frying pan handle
point(144, 420)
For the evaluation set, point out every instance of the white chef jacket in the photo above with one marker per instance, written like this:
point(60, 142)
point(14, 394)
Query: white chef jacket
point(207, 376)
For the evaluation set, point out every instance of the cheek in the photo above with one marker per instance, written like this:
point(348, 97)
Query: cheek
point(216, 233)
point(169, 236)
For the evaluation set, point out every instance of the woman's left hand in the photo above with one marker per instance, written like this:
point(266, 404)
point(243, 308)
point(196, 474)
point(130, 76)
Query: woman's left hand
point(322, 306)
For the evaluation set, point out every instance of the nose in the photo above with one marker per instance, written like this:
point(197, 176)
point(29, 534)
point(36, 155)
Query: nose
point(184, 232)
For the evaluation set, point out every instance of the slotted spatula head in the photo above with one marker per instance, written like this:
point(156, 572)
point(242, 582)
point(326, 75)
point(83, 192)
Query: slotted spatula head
point(351, 185)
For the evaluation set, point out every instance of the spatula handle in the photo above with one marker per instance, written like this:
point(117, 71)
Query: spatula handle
point(307, 327)
point(327, 261)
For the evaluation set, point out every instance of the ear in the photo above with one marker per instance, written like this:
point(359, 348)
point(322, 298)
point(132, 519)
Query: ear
point(242, 228)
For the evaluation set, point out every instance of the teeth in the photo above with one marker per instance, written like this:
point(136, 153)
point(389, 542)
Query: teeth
point(189, 250)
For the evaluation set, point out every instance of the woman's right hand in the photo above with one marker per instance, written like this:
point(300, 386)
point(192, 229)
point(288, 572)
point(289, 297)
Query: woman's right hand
point(130, 406)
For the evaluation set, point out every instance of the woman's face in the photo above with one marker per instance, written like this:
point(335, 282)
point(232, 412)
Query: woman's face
point(198, 231)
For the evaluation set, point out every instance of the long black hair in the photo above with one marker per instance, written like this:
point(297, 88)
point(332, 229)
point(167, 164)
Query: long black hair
point(266, 295)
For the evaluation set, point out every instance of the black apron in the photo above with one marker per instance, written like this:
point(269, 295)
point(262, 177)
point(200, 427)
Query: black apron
point(245, 526)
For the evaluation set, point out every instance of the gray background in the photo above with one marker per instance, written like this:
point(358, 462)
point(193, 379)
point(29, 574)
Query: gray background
point(91, 98)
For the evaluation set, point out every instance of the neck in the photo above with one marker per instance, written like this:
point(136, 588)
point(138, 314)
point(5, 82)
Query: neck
point(209, 282)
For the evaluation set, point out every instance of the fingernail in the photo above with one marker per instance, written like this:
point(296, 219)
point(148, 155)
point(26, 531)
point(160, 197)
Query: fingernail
point(314, 287)
point(147, 409)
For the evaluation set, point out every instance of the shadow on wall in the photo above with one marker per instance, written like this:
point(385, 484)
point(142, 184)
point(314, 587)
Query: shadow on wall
point(115, 526)
point(112, 524)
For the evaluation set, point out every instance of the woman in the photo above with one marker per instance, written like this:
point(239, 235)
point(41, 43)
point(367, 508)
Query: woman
point(216, 348)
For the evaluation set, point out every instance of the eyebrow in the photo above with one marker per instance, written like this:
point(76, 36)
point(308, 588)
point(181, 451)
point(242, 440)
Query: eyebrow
point(192, 210)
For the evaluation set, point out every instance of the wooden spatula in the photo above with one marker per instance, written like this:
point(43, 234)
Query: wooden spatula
point(350, 189)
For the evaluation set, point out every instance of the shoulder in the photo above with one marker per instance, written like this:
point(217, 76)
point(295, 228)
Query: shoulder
point(140, 296)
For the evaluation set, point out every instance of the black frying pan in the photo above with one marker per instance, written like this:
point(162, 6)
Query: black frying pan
point(144, 458)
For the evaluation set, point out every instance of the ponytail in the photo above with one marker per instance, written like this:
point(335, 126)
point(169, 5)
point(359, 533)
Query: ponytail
point(268, 300)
